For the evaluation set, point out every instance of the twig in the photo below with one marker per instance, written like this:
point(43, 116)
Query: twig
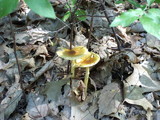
point(105, 13)
point(14, 47)
point(72, 23)
point(72, 35)
point(91, 29)
point(91, 16)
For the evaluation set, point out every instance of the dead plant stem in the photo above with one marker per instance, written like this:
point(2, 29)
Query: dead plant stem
point(14, 47)
point(105, 13)
point(72, 20)
point(91, 29)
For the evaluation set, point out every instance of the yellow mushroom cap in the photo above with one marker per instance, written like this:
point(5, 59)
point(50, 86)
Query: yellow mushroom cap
point(88, 60)
point(72, 54)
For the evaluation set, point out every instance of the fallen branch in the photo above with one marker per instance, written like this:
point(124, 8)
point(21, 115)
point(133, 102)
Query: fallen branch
point(45, 68)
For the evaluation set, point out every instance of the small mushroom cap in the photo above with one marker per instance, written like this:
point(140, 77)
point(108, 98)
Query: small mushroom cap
point(72, 54)
point(90, 59)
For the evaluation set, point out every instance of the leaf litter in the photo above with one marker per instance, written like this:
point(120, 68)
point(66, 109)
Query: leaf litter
point(137, 68)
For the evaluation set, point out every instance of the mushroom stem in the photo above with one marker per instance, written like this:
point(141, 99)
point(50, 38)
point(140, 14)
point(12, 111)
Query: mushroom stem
point(72, 69)
point(86, 80)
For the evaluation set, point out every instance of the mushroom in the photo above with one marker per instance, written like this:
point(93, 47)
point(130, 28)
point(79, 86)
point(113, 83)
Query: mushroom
point(87, 61)
point(72, 54)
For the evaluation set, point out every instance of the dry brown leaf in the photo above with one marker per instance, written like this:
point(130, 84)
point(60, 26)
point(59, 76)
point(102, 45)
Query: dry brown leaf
point(27, 48)
point(85, 110)
point(41, 50)
point(30, 62)
point(140, 77)
point(80, 39)
point(32, 36)
point(138, 83)
point(132, 58)
point(26, 117)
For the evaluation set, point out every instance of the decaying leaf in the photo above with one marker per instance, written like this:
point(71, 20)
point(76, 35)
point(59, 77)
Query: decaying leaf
point(80, 39)
point(31, 36)
point(152, 41)
point(11, 100)
point(131, 57)
point(153, 68)
point(53, 89)
point(26, 117)
point(78, 90)
point(41, 50)
point(27, 48)
point(86, 109)
point(138, 83)
point(109, 100)
point(30, 62)
point(37, 106)
point(140, 77)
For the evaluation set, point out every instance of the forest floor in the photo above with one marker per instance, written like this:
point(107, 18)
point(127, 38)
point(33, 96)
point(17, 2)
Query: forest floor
point(124, 85)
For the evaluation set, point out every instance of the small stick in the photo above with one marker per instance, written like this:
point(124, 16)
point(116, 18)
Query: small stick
point(91, 29)
point(105, 13)
point(14, 47)
point(72, 36)
point(72, 23)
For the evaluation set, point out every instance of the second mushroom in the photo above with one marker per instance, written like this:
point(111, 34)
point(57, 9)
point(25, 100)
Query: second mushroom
point(87, 61)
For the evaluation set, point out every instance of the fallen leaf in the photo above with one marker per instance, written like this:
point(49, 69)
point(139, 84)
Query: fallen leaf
point(27, 48)
point(131, 57)
point(53, 89)
point(152, 41)
point(140, 77)
point(30, 62)
point(10, 102)
point(26, 117)
point(37, 106)
point(80, 39)
point(138, 83)
point(41, 50)
point(84, 110)
point(109, 100)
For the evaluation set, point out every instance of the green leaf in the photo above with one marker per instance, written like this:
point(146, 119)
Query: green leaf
point(66, 16)
point(119, 1)
point(81, 13)
point(157, 1)
point(71, 4)
point(149, 2)
point(126, 18)
point(136, 4)
point(41, 7)
point(7, 6)
point(151, 22)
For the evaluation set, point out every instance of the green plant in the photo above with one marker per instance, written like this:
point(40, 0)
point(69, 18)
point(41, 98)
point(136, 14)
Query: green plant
point(150, 18)
point(81, 14)
point(41, 7)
